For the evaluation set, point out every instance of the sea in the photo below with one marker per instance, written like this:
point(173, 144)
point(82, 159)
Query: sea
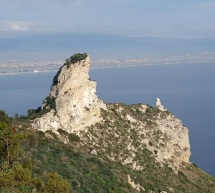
point(185, 89)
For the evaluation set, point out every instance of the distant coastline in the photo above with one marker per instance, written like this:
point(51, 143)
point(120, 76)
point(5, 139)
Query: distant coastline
point(26, 72)
point(13, 71)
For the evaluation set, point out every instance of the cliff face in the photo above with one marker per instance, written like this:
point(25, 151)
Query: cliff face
point(117, 132)
point(76, 103)
point(128, 132)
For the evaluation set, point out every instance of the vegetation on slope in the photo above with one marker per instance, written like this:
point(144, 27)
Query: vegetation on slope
point(15, 167)
point(95, 173)
point(122, 140)
point(48, 105)
point(87, 172)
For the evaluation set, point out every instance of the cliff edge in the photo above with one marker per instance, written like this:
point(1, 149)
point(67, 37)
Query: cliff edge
point(116, 132)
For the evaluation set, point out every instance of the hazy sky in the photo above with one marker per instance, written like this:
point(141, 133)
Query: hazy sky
point(162, 18)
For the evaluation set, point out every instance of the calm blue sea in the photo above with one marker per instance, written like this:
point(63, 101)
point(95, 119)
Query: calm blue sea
point(187, 90)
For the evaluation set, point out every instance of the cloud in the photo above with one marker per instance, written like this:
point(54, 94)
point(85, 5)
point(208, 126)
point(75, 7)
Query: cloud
point(18, 27)
point(123, 17)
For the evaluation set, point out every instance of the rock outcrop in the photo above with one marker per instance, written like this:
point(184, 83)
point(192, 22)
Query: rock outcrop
point(159, 105)
point(128, 133)
point(123, 133)
point(76, 103)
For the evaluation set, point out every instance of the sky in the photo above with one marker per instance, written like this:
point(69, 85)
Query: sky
point(133, 18)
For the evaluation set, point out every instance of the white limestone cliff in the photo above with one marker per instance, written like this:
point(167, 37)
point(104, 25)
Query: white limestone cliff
point(77, 109)
point(173, 146)
point(158, 131)
point(77, 105)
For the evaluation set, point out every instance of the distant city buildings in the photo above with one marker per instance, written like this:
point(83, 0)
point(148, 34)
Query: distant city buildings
point(39, 66)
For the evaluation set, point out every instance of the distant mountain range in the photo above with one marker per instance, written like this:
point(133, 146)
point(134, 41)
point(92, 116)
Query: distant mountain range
point(62, 45)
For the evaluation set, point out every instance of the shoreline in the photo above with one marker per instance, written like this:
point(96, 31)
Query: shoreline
point(109, 66)
point(30, 72)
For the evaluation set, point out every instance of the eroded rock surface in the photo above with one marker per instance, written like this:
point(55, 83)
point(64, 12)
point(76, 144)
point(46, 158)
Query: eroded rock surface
point(117, 132)
point(76, 103)
point(130, 133)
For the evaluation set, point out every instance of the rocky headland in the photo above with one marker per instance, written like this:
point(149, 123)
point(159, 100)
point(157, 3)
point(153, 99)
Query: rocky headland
point(139, 137)
point(77, 109)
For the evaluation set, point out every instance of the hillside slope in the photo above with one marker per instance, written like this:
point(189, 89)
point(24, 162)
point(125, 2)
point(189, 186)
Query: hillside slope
point(102, 147)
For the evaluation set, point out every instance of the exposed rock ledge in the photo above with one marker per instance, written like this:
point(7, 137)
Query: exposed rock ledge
point(78, 110)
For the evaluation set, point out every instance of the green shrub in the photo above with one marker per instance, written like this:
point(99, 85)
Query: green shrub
point(49, 103)
point(51, 133)
point(77, 57)
point(62, 132)
point(41, 133)
point(10, 150)
point(73, 137)
point(55, 79)
point(57, 184)
point(15, 166)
